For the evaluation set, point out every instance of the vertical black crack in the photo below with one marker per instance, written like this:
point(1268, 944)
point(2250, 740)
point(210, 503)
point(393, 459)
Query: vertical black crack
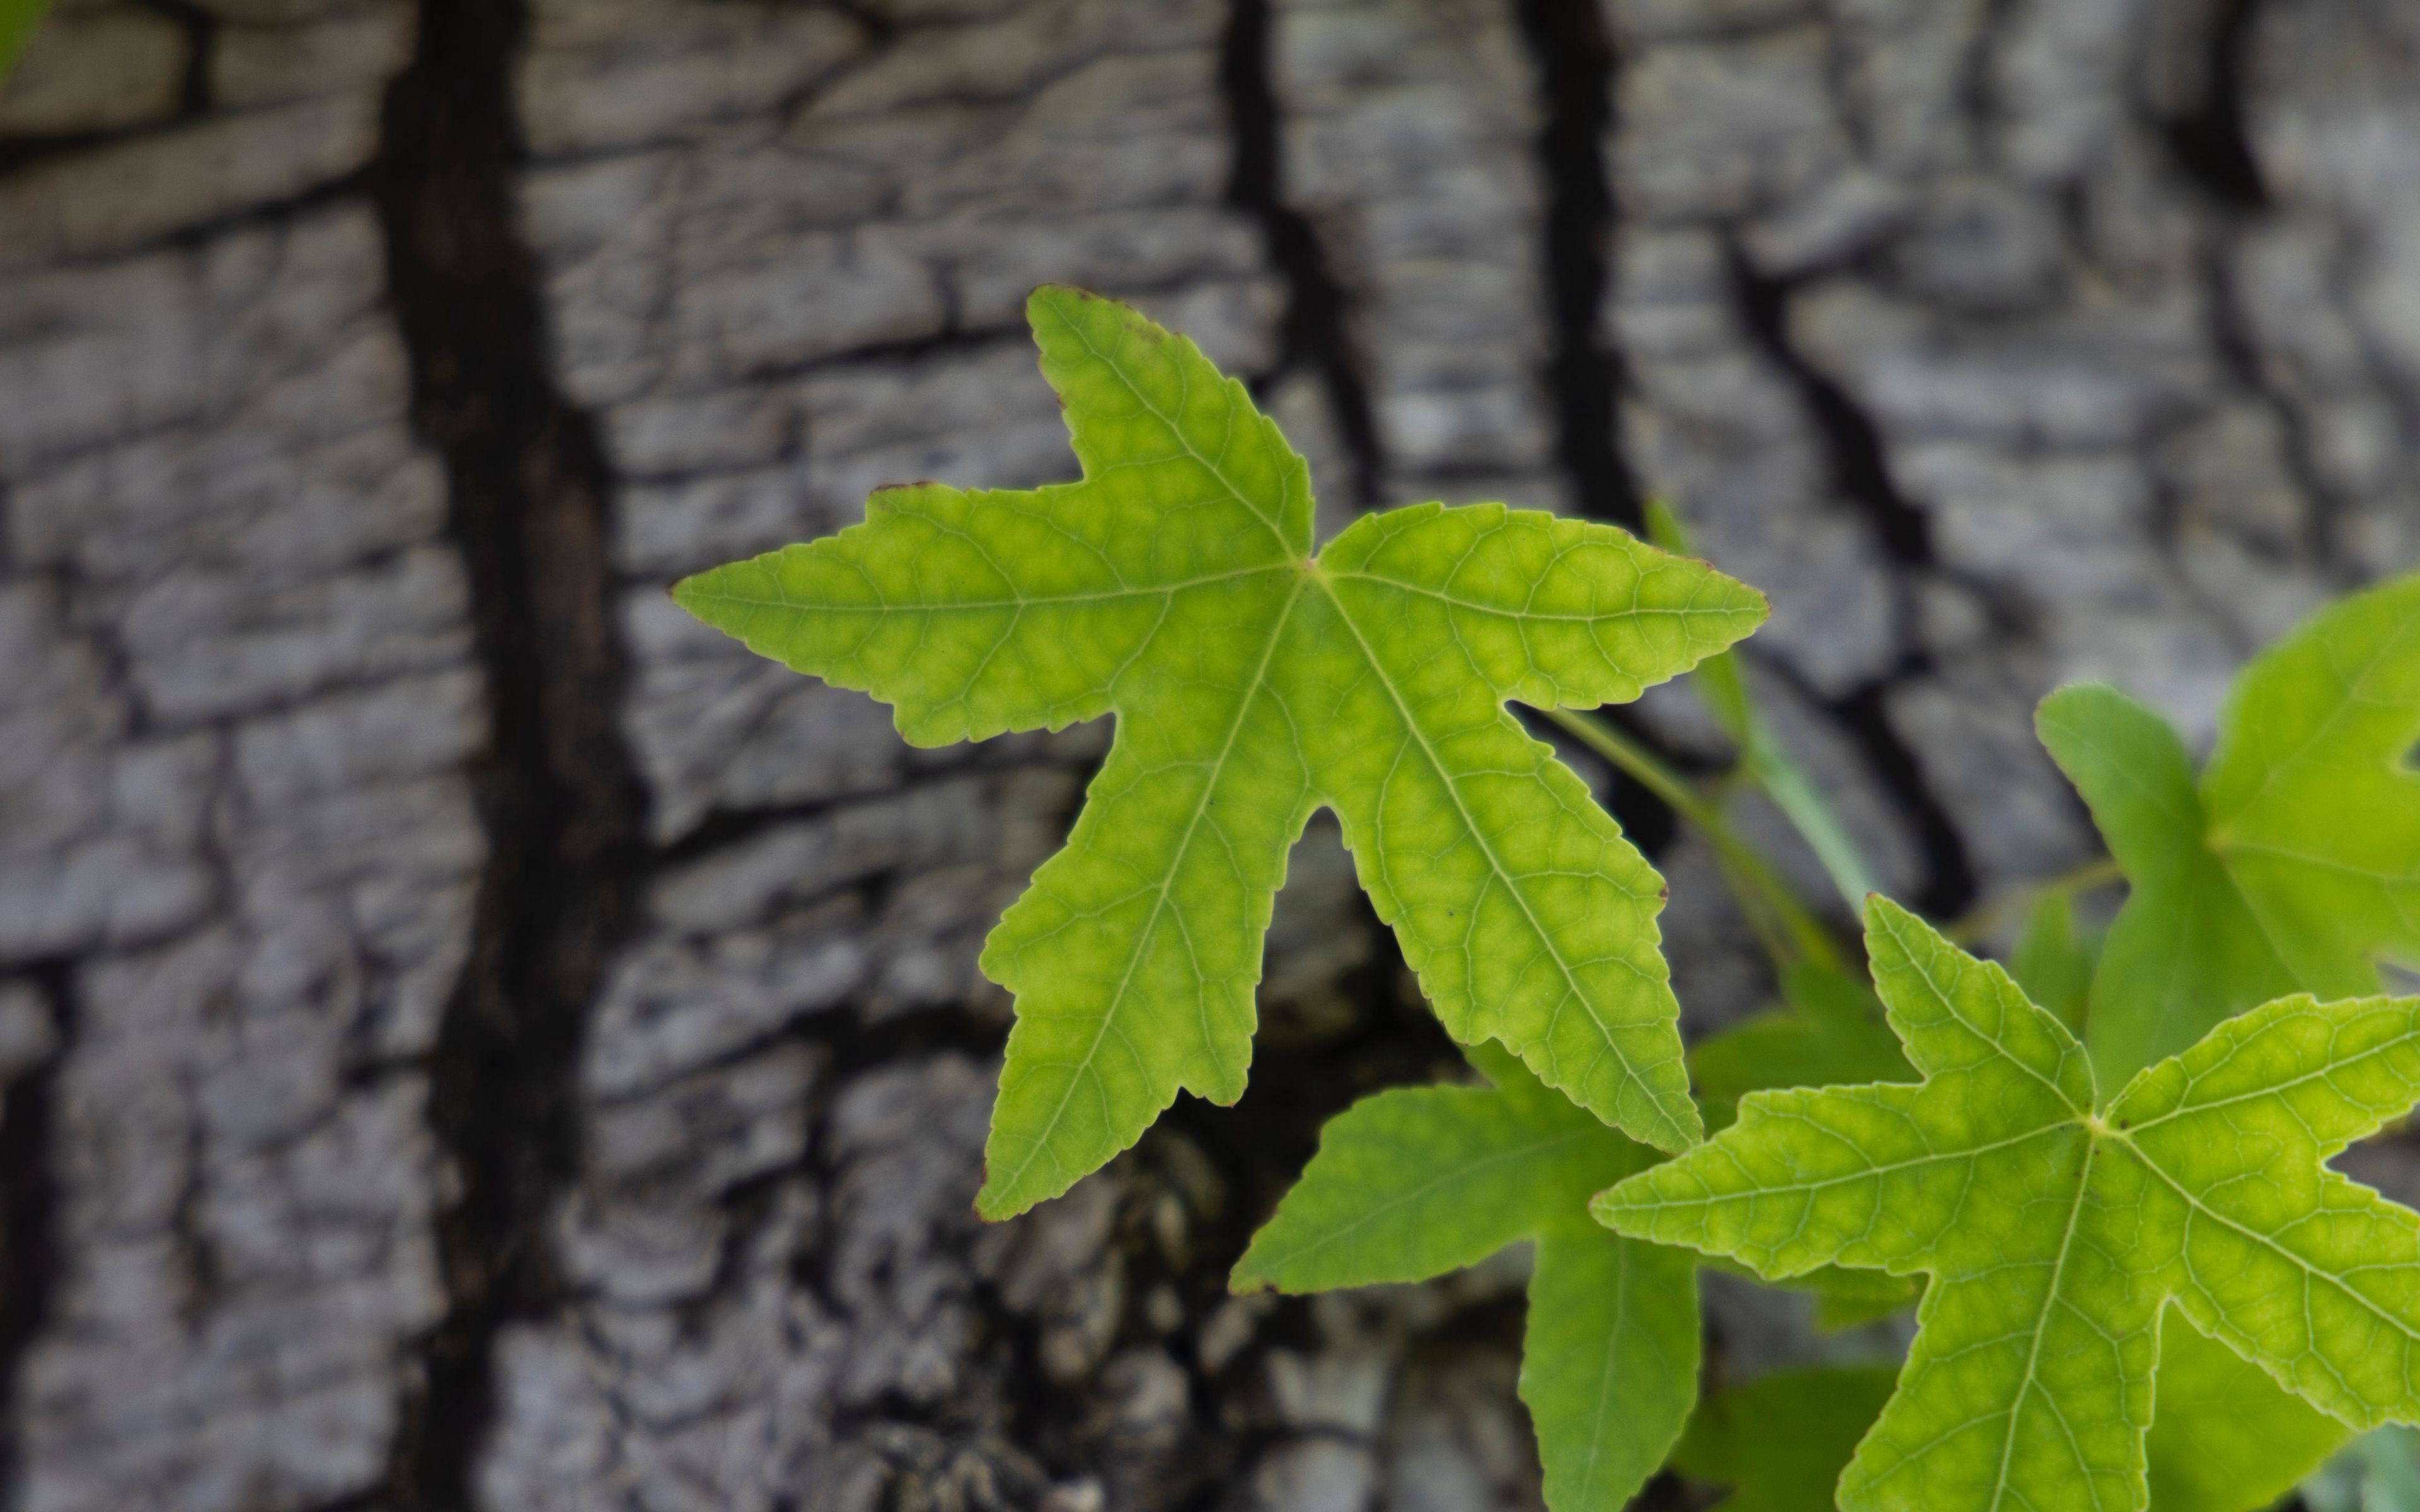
point(1853, 445)
point(1575, 61)
point(2212, 148)
point(2208, 140)
point(1860, 474)
point(559, 793)
point(1316, 329)
point(201, 28)
point(28, 1209)
point(1574, 57)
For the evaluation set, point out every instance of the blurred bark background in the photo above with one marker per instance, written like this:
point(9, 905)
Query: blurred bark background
point(473, 1038)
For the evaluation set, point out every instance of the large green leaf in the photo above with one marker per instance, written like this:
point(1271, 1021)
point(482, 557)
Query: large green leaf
point(1253, 682)
point(2055, 1235)
point(1417, 1182)
point(2293, 863)
point(1780, 1440)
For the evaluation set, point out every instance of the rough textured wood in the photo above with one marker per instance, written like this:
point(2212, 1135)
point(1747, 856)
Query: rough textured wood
point(472, 1037)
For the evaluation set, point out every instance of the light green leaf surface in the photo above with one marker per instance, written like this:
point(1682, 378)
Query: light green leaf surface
point(2294, 863)
point(1252, 682)
point(1779, 1441)
point(2054, 1236)
point(1417, 1182)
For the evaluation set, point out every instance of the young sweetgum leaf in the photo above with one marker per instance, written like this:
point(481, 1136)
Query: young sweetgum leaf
point(2054, 1236)
point(1417, 1182)
point(2293, 863)
point(1779, 1441)
point(1252, 682)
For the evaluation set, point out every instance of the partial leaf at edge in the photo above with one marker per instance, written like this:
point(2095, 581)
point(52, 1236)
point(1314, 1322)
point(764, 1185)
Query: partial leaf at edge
point(19, 19)
point(2313, 800)
point(2054, 1236)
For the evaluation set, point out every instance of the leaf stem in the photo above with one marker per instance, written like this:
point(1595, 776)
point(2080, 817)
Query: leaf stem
point(1790, 935)
point(1721, 685)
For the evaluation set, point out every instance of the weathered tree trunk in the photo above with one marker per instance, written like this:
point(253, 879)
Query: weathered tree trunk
point(474, 1038)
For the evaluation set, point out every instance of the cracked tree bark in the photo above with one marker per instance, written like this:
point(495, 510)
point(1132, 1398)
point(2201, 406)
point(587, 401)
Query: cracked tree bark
point(471, 1038)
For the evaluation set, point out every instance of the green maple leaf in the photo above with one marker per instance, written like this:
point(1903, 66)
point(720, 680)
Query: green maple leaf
point(2054, 1236)
point(2293, 863)
point(1780, 1440)
point(1417, 1182)
point(1254, 681)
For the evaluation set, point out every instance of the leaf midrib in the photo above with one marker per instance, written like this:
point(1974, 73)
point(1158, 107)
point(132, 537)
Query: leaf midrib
point(1636, 611)
point(1605, 1374)
point(1869, 1173)
point(968, 605)
point(2042, 1326)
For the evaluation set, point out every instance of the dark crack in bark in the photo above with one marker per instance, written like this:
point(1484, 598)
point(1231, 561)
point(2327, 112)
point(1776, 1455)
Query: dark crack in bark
point(1316, 329)
point(1950, 887)
point(559, 793)
point(1574, 60)
point(2208, 138)
point(28, 1202)
point(1859, 463)
point(1853, 443)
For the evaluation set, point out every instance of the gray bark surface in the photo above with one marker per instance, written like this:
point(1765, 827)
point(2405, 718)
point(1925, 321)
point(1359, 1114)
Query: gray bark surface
point(473, 1038)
